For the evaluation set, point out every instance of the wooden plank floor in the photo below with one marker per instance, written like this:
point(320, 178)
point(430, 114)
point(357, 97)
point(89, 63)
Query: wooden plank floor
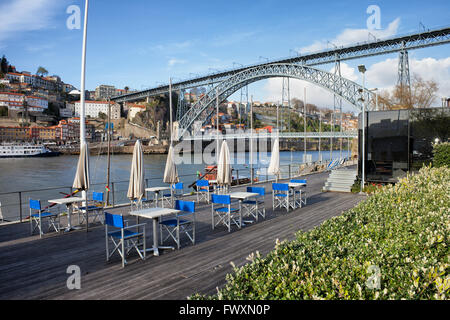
point(33, 268)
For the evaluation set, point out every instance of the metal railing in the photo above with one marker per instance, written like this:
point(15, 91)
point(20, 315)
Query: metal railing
point(15, 206)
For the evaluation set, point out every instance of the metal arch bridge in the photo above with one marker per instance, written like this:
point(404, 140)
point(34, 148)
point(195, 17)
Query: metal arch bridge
point(268, 136)
point(410, 41)
point(348, 90)
point(297, 67)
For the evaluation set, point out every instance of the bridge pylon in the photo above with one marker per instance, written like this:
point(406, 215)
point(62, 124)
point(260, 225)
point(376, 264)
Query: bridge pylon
point(404, 79)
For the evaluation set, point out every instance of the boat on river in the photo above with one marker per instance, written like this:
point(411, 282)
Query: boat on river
point(26, 150)
point(211, 175)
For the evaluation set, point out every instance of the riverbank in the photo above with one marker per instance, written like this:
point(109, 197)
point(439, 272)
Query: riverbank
point(102, 150)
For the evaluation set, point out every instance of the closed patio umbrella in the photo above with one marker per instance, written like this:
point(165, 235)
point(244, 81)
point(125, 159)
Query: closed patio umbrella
point(274, 165)
point(81, 180)
point(224, 166)
point(136, 187)
point(171, 173)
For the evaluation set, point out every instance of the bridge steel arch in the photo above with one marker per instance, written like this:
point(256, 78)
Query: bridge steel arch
point(203, 109)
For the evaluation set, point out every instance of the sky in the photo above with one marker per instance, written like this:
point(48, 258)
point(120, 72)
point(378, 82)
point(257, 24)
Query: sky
point(142, 43)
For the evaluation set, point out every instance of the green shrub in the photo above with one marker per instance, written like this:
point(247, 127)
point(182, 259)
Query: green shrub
point(441, 155)
point(401, 230)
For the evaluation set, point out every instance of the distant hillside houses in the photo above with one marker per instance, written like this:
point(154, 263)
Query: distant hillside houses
point(18, 102)
point(94, 108)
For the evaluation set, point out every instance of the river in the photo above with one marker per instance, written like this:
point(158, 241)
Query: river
point(33, 176)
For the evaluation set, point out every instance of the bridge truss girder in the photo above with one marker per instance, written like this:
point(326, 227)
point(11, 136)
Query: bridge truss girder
point(348, 90)
point(355, 51)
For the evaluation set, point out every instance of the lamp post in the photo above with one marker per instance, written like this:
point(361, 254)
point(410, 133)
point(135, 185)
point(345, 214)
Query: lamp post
point(362, 69)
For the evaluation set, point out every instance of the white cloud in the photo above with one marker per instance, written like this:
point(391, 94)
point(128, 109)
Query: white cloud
point(384, 74)
point(175, 61)
point(25, 15)
point(352, 36)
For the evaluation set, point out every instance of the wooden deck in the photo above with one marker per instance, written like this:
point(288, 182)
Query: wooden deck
point(34, 268)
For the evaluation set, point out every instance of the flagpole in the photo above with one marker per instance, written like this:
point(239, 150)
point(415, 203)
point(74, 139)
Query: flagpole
point(83, 77)
point(217, 125)
point(251, 139)
point(108, 169)
point(82, 93)
point(170, 109)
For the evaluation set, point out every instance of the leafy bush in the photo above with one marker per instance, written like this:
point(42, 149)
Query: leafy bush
point(441, 155)
point(402, 232)
point(369, 188)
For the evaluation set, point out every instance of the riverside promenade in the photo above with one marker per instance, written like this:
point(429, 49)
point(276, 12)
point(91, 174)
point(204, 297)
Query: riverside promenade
point(34, 268)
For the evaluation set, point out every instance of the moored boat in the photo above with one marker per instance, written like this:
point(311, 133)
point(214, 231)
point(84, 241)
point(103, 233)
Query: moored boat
point(25, 150)
point(211, 175)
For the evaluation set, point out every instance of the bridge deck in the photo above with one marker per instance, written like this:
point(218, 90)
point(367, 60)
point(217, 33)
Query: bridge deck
point(33, 268)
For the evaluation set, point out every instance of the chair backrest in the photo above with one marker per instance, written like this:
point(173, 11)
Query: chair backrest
point(35, 204)
point(187, 206)
point(114, 220)
point(298, 181)
point(178, 186)
point(280, 186)
point(221, 198)
point(260, 190)
point(202, 183)
point(331, 164)
point(97, 196)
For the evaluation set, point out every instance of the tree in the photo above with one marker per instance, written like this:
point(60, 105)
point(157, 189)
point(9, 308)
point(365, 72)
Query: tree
point(4, 64)
point(421, 95)
point(41, 71)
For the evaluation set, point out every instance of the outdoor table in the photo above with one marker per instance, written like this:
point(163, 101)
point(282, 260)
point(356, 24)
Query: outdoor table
point(294, 186)
point(155, 214)
point(156, 191)
point(69, 204)
point(241, 196)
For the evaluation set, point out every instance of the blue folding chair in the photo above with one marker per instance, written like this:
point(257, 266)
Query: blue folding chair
point(255, 207)
point(94, 208)
point(301, 193)
point(332, 164)
point(183, 222)
point(124, 238)
point(176, 192)
point(281, 196)
point(202, 190)
point(37, 216)
point(225, 213)
point(136, 204)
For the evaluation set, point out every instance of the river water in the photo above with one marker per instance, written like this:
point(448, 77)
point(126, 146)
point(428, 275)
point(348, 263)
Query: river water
point(33, 177)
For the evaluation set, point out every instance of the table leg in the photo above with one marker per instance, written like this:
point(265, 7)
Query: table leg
point(243, 222)
point(155, 237)
point(156, 199)
point(69, 219)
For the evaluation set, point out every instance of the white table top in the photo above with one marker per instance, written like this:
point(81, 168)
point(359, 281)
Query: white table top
point(156, 189)
point(296, 184)
point(67, 200)
point(243, 195)
point(153, 212)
